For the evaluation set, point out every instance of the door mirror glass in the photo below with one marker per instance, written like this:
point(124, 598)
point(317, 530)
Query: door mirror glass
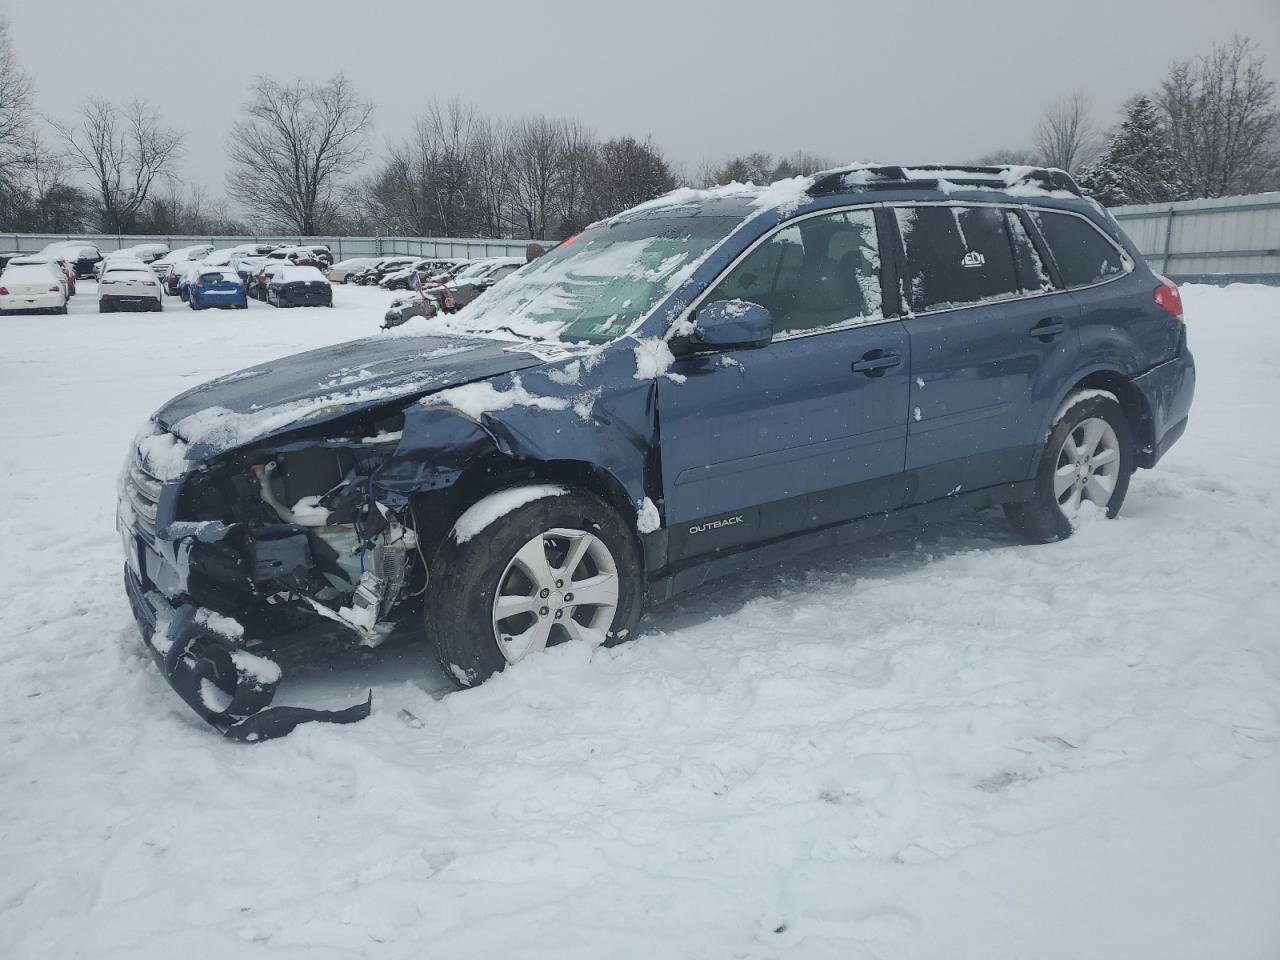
point(732, 325)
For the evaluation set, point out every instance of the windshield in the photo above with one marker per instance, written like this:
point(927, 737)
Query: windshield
point(595, 286)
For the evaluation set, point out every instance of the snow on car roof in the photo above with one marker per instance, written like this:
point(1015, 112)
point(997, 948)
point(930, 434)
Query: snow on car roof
point(19, 270)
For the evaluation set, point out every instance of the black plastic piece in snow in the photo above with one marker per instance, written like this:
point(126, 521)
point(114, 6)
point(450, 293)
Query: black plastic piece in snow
point(197, 656)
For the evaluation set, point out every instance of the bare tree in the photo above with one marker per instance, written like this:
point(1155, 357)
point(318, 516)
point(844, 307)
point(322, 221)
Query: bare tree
point(124, 151)
point(295, 151)
point(1066, 136)
point(15, 108)
point(627, 172)
point(1010, 155)
point(1222, 120)
point(536, 169)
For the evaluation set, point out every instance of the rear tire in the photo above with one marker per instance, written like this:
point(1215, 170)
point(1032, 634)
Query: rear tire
point(461, 621)
point(1088, 457)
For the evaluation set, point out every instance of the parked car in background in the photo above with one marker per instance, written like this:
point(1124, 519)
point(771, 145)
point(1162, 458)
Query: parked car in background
point(372, 275)
point(79, 256)
point(263, 273)
point(407, 306)
point(322, 253)
point(292, 286)
point(343, 270)
point(180, 259)
point(57, 268)
point(128, 285)
point(31, 288)
point(216, 287)
point(146, 252)
point(9, 255)
point(298, 257)
point(426, 269)
point(479, 276)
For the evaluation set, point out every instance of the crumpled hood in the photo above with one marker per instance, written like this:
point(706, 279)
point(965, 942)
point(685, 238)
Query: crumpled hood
point(330, 382)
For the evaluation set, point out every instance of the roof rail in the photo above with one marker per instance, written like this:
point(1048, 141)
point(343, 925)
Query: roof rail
point(880, 177)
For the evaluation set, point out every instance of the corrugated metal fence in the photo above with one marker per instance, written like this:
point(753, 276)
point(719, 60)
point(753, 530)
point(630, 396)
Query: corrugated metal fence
point(1230, 239)
point(1209, 241)
point(342, 247)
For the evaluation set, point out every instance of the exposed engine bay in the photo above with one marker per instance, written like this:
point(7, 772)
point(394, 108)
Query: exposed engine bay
point(263, 542)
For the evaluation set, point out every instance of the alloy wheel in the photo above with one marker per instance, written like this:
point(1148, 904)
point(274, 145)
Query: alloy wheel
point(1088, 466)
point(561, 585)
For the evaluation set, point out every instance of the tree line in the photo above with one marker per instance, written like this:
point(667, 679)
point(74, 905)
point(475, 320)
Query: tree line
point(1210, 128)
point(301, 160)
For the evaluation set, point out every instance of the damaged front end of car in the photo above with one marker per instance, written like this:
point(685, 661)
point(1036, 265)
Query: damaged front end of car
point(228, 556)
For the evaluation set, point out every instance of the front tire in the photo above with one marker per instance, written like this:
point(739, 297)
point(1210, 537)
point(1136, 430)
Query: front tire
point(561, 567)
point(1088, 458)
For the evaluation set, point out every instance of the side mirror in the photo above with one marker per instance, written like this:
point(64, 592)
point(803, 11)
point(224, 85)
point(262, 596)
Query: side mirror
point(732, 325)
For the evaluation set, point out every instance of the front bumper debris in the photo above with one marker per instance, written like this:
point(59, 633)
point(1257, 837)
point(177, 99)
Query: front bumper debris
point(227, 686)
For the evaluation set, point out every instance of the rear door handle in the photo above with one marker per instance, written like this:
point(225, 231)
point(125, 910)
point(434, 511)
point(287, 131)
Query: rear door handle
point(1047, 329)
point(874, 363)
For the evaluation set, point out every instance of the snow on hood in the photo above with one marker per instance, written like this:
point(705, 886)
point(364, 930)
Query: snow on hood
point(331, 382)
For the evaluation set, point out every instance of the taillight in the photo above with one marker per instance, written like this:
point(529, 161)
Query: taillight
point(4, 291)
point(199, 283)
point(1168, 297)
point(55, 289)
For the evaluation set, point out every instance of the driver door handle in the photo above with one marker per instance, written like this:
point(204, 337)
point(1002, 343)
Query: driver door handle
point(874, 363)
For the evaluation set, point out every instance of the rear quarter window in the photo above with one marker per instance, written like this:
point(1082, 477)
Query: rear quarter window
point(1084, 256)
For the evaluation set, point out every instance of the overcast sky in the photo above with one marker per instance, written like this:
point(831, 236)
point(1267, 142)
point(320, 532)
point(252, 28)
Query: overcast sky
point(896, 81)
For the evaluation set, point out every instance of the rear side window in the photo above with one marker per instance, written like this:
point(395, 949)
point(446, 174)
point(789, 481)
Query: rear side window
point(1084, 256)
point(819, 272)
point(1032, 275)
point(956, 256)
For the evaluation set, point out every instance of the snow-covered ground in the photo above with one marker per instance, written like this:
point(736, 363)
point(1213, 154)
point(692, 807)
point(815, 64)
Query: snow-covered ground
point(941, 744)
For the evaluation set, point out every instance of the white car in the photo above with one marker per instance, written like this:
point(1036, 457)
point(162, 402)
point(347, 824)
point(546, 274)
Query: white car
point(341, 271)
point(29, 287)
point(128, 285)
point(53, 267)
point(146, 252)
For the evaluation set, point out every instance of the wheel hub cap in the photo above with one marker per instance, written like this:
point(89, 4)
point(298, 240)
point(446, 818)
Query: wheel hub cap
point(561, 585)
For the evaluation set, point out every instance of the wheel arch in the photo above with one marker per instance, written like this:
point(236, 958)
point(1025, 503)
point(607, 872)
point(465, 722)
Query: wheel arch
point(437, 510)
point(1131, 400)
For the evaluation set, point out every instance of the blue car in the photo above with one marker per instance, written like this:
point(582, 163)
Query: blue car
point(708, 381)
point(216, 287)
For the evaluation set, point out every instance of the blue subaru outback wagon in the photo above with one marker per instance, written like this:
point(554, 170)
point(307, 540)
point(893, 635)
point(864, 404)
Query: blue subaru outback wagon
point(710, 380)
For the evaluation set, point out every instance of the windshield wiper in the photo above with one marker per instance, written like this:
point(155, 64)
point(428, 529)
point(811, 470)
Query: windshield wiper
point(505, 329)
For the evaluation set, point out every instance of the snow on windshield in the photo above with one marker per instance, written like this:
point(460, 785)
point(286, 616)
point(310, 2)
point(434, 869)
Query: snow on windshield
point(594, 287)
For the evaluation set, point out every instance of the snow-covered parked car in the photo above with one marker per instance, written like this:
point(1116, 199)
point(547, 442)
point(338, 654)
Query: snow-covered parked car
point(478, 276)
point(172, 266)
point(148, 253)
point(712, 380)
point(80, 256)
point(343, 270)
point(31, 287)
point(290, 286)
point(215, 286)
point(128, 285)
point(426, 269)
point(57, 267)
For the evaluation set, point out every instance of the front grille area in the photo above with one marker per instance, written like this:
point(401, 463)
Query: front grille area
point(143, 493)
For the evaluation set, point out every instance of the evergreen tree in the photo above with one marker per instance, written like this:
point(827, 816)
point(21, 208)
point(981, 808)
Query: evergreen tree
point(1138, 165)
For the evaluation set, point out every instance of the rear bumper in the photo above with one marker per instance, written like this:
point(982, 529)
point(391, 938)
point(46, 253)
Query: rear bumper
point(1168, 390)
point(35, 301)
point(132, 301)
